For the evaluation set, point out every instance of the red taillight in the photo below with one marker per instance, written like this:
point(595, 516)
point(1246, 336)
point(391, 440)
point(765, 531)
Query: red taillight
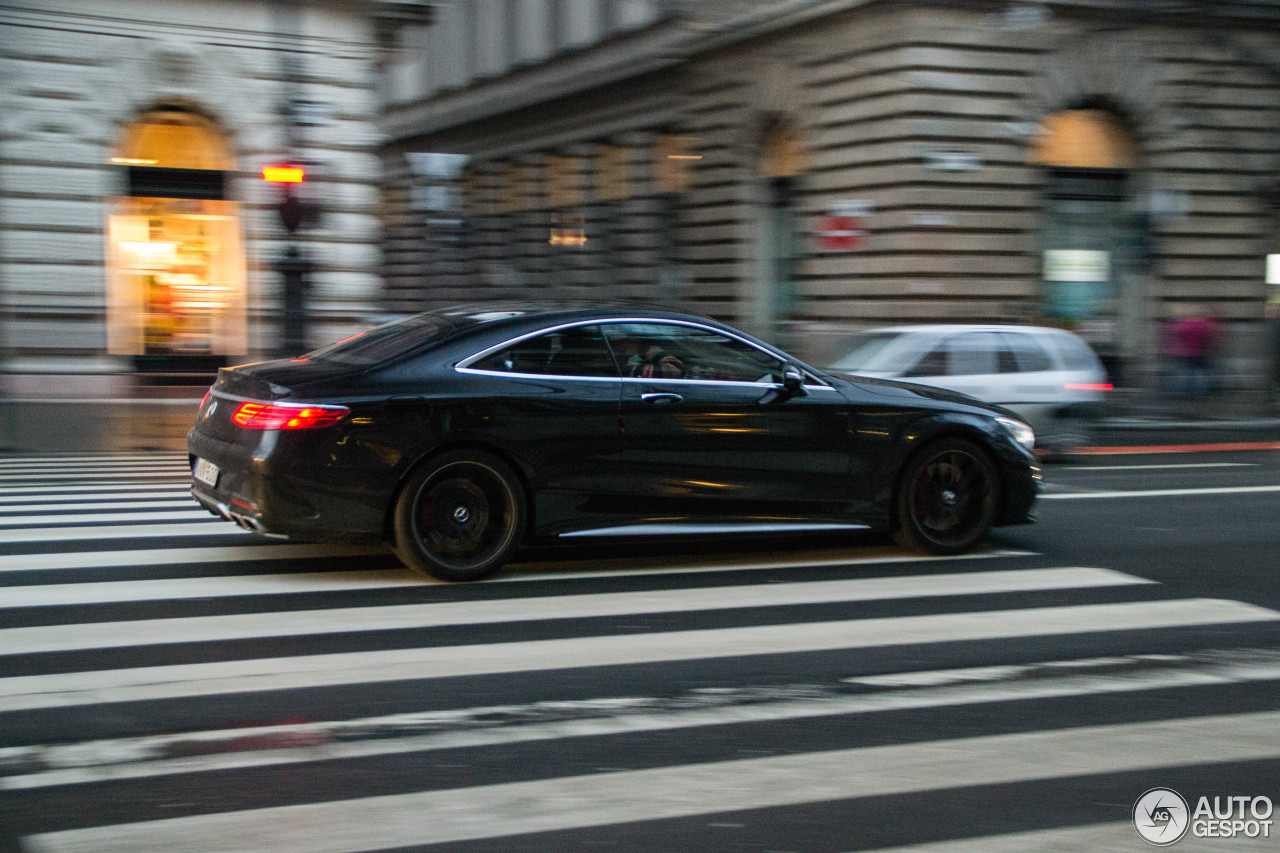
point(277, 416)
point(1088, 386)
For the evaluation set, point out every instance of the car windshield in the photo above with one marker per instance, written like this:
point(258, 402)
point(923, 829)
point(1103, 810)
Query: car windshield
point(384, 342)
point(865, 347)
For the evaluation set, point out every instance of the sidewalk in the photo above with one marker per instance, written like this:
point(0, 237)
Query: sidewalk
point(1138, 419)
point(161, 424)
point(97, 426)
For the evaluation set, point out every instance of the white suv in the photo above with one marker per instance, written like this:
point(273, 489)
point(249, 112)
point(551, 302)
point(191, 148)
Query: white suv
point(1049, 377)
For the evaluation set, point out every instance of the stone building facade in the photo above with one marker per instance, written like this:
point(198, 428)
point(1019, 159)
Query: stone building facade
point(137, 235)
point(809, 168)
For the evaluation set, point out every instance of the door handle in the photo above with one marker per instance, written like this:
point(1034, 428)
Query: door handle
point(661, 398)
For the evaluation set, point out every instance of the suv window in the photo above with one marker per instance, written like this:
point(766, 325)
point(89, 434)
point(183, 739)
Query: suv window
point(1075, 353)
point(1028, 355)
point(932, 363)
point(972, 353)
point(577, 351)
point(864, 349)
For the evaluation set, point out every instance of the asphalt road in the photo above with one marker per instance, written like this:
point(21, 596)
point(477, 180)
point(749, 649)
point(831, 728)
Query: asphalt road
point(171, 683)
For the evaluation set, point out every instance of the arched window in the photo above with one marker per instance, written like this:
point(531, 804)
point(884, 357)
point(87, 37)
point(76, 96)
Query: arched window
point(1084, 139)
point(1091, 263)
point(783, 159)
point(176, 267)
point(174, 139)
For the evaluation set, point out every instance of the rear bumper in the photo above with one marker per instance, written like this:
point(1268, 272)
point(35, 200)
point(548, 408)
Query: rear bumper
point(246, 520)
point(261, 491)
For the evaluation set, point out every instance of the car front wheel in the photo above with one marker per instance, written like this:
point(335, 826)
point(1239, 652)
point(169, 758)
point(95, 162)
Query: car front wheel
point(460, 517)
point(947, 498)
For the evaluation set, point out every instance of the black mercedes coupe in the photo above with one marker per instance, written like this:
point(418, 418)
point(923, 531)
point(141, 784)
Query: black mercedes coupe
point(457, 435)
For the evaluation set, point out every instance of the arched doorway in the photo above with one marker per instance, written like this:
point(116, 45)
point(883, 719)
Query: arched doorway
point(176, 265)
point(1091, 240)
point(783, 160)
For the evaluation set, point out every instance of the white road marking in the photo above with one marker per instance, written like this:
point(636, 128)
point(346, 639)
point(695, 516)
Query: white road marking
point(178, 589)
point(529, 571)
point(176, 456)
point(1118, 837)
point(173, 493)
point(601, 799)
point(104, 518)
point(106, 465)
point(115, 502)
point(41, 491)
point(265, 550)
point(347, 668)
point(241, 748)
point(48, 638)
point(213, 527)
point(91, 476)
point(1157, 493)
point(1170, 465)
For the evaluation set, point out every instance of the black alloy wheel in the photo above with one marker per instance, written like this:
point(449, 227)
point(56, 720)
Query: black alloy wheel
point(947, 498)
point(460, 517)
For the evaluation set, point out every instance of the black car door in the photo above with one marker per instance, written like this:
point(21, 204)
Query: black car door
point(551, 399)
point(709, 432)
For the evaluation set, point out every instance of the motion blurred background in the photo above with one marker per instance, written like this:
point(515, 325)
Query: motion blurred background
point(187, 185)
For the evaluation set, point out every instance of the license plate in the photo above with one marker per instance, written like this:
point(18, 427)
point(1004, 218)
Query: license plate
point(206, 472)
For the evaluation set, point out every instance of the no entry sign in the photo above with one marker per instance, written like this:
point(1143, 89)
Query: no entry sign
point(841, 232)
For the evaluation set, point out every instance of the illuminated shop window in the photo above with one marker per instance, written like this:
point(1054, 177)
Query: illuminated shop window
point(176, 265)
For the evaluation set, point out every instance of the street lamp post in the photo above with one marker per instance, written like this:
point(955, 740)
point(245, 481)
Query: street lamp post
point(293, 209)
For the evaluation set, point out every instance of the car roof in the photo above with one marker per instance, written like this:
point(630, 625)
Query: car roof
point(521, 316)
point(947, 328)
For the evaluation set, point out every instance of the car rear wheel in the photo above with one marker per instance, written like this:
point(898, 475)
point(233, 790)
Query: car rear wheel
point(947, 498)
point(460, 517)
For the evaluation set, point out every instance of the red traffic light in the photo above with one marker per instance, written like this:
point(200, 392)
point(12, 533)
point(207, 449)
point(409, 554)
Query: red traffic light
point(283, 173)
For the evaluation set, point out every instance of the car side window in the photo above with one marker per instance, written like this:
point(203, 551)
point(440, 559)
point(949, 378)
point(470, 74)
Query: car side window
point(674, 351)
point(932, 363)
point(1027, 355)
point(971, 354)
point(576, 351)
point(1075, 353)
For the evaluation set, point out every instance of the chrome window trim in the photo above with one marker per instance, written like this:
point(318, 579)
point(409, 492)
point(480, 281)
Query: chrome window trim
point(464, 366)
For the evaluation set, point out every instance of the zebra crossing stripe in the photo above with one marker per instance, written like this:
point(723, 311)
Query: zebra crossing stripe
point(867, 557)
point(106, 465)
point(1113, 837)
point(106, 502)
point(212, 527)
point(91, 476)
point(26, 493)
point(328, 670)
point(105, 517)
point(340, 620)
point(21, 461)
point(264, 550)
point(176, 589)
point(602, 799)
point(402, 734)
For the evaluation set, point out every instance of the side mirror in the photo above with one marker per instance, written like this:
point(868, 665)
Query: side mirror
point(793, 381)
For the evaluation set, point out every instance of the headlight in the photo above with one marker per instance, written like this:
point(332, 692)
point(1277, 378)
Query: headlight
point(1019, 432)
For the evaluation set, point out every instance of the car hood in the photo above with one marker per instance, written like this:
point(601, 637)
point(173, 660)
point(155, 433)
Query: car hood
point(912, 391)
